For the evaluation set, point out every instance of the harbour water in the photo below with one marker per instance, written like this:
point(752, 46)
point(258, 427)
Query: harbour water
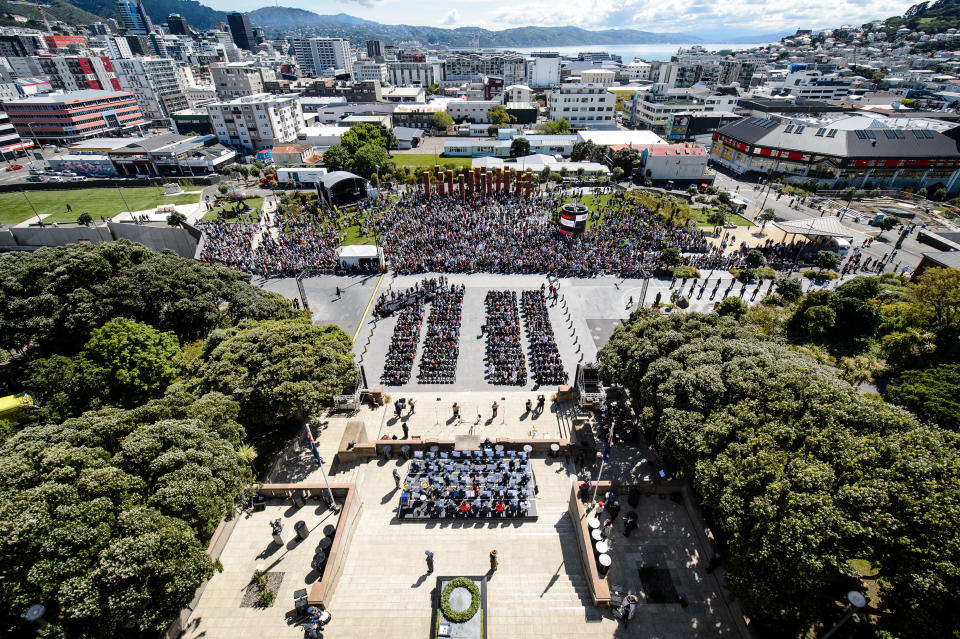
point(628, 52)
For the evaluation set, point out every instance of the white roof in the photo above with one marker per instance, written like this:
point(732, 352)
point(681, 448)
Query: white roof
point(815, 226)
point(488, 162)
point(360, 251)
point(611, 138)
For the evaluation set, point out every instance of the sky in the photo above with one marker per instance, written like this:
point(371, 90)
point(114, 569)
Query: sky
point(737, 16)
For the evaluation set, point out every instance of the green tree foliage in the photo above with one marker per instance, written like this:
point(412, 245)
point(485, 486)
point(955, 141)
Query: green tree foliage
point(827, 260)
point(554, 127)
point(136, 361)
point(888, 223)
point(176, 219)
point(277, 369)
point(498, 115)
point(732, 307)
point(441, 120)
point(54, 298)
point(85, 218)
point(520, 147)
point(799, 472)
point(755, 259)
point(790, 289)
point(936, 294)
point(626, 160)
point(368, 157)
point(337, 158)
point(671, 257)
point(932, 394)
point(587, 151)
point(104, 518)
point(361, 134)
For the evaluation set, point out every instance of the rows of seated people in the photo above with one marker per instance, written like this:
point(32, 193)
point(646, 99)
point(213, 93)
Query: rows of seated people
point(505, 361)
point(545, 363)
point(403, 346)
point(468, 484)
point(418, 291)
point(441, 347)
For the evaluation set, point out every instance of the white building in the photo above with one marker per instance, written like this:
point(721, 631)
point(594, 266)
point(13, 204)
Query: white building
point(586, 106)
point(238, 79)
point(366, 71)
point(543, 70)
point(813, 85)
point(517, 93)
point(637, 70)
point(408, 73)
point(113, 46)
point(677, 162)
point(258, 121)
point(475, 110)
point(316, 56)
point(404, 94)
point(602, 77)
point(155, 84)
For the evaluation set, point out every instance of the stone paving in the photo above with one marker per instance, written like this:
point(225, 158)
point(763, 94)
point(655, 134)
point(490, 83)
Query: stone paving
point(539, 590)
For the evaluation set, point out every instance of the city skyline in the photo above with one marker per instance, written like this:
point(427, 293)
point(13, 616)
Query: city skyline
point(749, 16)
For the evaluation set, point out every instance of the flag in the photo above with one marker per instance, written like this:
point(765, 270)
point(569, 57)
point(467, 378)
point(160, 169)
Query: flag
point(313, 445)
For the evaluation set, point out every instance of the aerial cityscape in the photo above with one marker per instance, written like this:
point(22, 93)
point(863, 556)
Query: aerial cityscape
point(483, 321)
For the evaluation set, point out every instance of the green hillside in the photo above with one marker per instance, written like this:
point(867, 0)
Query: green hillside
point(55, 10)
point(199, 16)
point(928, 17)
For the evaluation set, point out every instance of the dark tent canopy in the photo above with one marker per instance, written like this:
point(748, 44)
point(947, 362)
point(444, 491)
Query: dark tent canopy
point(342, 187)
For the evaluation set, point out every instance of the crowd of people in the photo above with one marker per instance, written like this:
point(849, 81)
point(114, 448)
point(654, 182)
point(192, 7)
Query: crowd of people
point(505, 361)
point(545, 363)
point(403, 346)
point(227, 244)
point(516, 234)
point(419, 292)
point(441, 347)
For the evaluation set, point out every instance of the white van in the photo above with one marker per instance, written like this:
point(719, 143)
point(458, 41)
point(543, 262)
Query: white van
point(843, 247)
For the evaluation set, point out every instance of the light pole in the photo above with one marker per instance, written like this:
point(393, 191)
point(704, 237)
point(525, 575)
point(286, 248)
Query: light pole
point(857, 603)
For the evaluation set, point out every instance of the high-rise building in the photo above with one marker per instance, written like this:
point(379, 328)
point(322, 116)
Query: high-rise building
point(316, 55)
point(241, 30)
point(239, 79)
point(133, 17)
point(155, 84)
point(374, 49)
point(177, 24)
point(62, 118)
point(258, 121)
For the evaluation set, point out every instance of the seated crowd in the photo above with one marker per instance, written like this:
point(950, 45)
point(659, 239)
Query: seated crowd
point(545, 363)
point(505, 361)
point(403, 346)
point(227, 244)
point(441, 347)
point(479, 483)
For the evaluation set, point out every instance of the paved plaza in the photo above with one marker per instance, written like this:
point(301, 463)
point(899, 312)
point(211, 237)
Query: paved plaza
point(539, 590)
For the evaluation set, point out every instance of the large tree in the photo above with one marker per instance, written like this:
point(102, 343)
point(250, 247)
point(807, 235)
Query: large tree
point(798, 471)
point(370, 156)
point(337, 158)
point(932, 394)
point(361, 134)
point(278, 369)
point(104, 518)
point(520, 147)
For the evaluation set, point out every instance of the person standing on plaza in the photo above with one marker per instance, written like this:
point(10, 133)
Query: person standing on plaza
point(456, 410)
point(429, 562)
point(406, 431)
point(411, 402)
point(495, 407)
point(396, 477)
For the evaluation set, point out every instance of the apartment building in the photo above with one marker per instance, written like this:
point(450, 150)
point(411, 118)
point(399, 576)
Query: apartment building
point(70, 73)
point(601, 77)
point(238, 79)
point(666, 111)
point(258, 121)
point(62, 118)
point(156, 85)
point(316, 56)
point(474, 66)
point(472, 110)
point(368, 71)
point(408, 73)
point(588, 106)
point(543, 69)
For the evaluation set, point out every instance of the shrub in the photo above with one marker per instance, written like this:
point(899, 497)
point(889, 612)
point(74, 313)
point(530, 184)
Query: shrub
point(685, 271)
point(820, 275)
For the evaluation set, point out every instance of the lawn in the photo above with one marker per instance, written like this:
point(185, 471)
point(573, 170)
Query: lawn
point(254, 203)
point(428, 160)
point(700, 217)
point(14, 207)
point(354, 237)
point(589, 200)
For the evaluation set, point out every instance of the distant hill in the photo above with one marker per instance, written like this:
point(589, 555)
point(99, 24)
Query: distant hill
point(199, 16)
point(928, 17)
point(56, 10)
point(357, 30)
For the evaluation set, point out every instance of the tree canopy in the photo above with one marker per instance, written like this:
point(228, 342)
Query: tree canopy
point(361, 134)
point(520, 147)
point(104, 518)
point(53, 299)
point(799, 472)
point(277, 369)
point(337, 158)
point(554, 127)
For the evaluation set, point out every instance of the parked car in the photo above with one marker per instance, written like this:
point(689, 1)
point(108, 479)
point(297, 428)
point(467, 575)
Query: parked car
point(54, 178)
point(36, 178)
point(77, 178)
point(14, 167)
point(35, 171)
point(67, 173)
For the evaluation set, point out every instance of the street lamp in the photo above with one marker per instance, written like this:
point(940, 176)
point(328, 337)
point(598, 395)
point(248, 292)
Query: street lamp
point(857, 603)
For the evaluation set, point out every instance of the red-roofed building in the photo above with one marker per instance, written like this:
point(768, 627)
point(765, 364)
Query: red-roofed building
point(294, 154)
point(680, 163)
point(64, 41)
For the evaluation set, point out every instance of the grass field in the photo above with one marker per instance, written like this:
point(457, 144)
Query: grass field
point(700, 217)
point(14, 207)
point(254, 203)
point(354, 237)
point(427, 160)
point(590, 201)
